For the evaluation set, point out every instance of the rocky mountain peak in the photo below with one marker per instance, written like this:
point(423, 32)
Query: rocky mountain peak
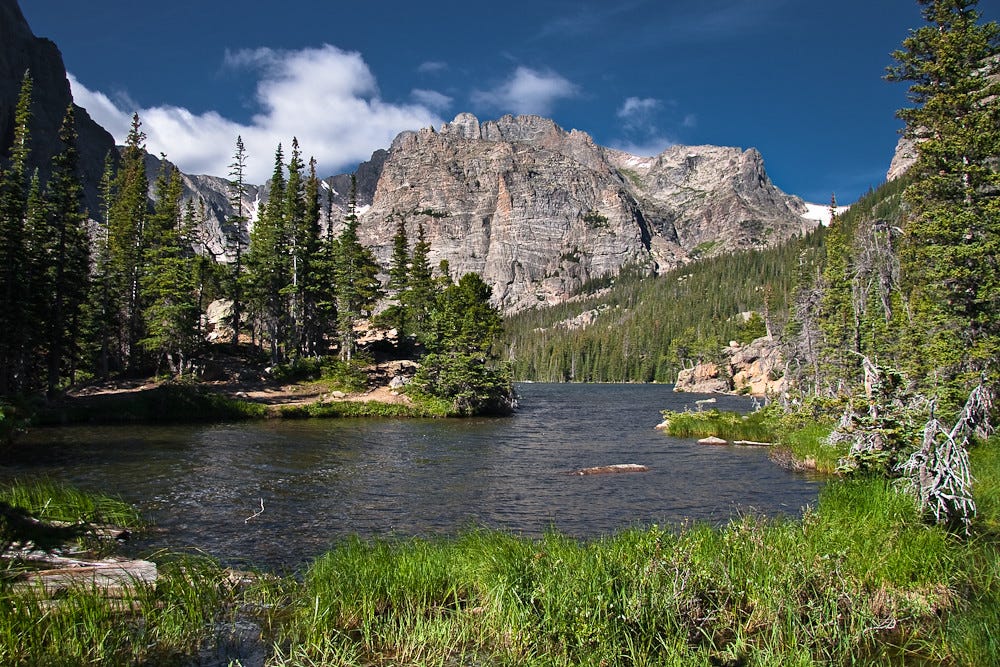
point(539, 211)
point(21, 51)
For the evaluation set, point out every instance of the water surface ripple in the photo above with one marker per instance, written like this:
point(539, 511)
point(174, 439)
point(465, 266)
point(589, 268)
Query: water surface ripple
point(321, 480)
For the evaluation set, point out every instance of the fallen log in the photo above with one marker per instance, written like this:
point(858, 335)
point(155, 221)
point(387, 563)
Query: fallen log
point(752, 443)
point(113, 579)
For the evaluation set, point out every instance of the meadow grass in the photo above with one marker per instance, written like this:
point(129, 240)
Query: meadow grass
point(860, 578)
point(48, 500)
point(757, 426)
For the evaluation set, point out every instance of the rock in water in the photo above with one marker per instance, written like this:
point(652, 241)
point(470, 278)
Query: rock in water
point(611, 469)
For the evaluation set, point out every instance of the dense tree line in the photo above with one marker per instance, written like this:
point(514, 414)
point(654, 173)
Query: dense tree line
point(900, 330)
point(127, 297)
point(44, 253)
point(647, 329)
point(910, 272)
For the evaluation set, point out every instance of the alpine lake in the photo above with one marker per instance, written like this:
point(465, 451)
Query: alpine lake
point(275, 494)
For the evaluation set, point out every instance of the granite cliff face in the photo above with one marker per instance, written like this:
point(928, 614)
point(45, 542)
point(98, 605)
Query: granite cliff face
point(20, 50)
point(538, 210)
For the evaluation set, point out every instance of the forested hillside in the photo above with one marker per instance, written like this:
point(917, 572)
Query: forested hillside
point(636, 329)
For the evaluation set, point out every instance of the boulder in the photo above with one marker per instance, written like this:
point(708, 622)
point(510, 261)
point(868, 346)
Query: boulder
point(611, 469)
point(712, 440)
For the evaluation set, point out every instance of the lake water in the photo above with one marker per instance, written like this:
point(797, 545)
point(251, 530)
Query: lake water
point(322, 480)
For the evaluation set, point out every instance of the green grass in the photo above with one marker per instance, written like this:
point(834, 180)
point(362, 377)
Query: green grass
point(806, 448)
point(339, 409)
point(858, 579)
point(757, 426)
point(48, 500)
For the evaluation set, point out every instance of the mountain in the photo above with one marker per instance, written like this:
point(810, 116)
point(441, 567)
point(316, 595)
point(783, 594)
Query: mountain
point(20, 50)
point(539, 211)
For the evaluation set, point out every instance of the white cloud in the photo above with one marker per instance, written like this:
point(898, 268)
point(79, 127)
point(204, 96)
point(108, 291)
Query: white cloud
point(432, 67)
point(101, 108)
point(326, 97)
point(641, 133)
point(527, 91)
point(649, 148)
point(431, 99)
point(636, 107)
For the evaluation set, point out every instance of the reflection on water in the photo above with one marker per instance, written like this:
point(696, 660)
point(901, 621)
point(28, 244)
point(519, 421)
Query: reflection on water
point(323, 479)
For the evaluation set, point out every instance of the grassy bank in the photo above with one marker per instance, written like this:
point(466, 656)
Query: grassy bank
point(859, 579)
point(797, 444)
point(185, 403)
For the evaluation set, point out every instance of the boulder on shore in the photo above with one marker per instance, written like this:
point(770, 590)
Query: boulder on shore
point(754, 369)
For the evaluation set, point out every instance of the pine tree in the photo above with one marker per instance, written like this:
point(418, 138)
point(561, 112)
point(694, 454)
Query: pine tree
point(952, 235)
point(67, 257)
point(399, 271)
point(420, 294)
point(268, 273)
point(127, 216)
point(14, 325)
point(101, 317)
point(462, 364)
point(238, 220)
point(169, 292)
point(358, 286)
point(313, 289)
point(298, 248)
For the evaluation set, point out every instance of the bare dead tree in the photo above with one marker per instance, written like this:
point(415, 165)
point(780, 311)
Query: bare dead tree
point(939, 471)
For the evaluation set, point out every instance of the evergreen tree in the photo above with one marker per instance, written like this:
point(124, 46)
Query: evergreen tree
point(313, 290)
point(420, 294)
point(952, 235)
point(238, 220)
point(358, 287)
point(67, 257)
point(127, 216)
point(462, 364)
point(268, 266)
point(101, 312)
point(399, 278)
point(300, 247)
point(14, 324)
point(169, 292)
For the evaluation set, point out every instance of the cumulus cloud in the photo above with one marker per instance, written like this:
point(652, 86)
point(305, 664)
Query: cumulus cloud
point(431, 99)
point(527, 91)
point(326, 97)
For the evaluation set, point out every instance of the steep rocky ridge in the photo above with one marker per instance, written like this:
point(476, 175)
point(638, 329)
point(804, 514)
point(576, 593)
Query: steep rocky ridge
point(539, 211)
point(20, 50)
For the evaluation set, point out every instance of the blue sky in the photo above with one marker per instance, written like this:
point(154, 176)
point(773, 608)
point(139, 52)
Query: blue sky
point(798, 79)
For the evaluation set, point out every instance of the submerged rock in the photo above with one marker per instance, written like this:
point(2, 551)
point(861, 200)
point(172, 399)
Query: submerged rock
point(616, 468)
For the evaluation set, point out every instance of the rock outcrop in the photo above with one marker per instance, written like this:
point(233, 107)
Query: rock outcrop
point(756, 369)
point(904, 157)
point(538, 211)
point(21, 51)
